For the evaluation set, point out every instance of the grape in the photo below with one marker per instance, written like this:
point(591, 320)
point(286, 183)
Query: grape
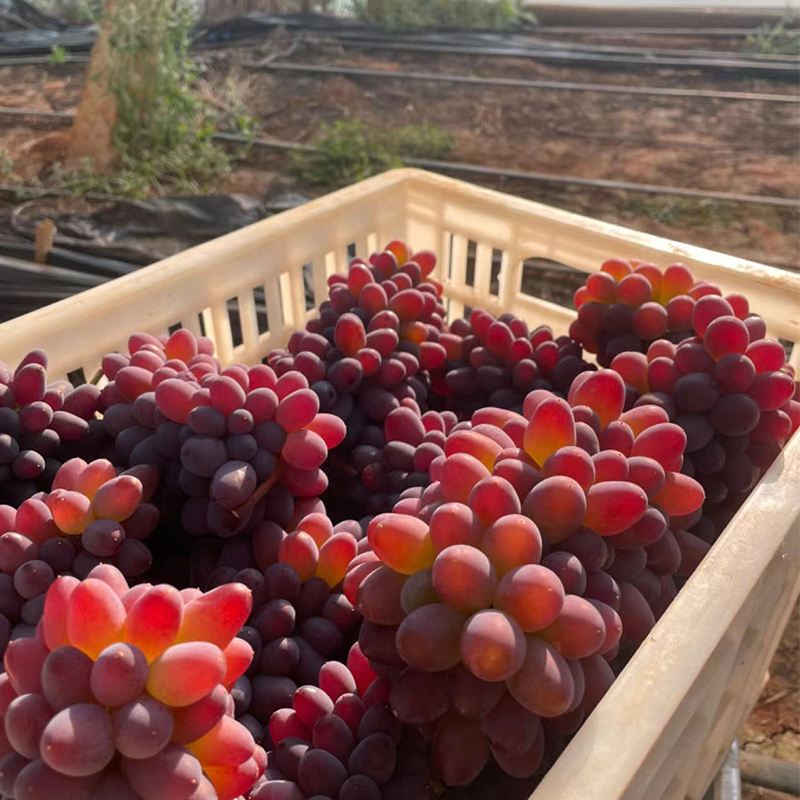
point(37, 781)
point(735, 372)
point(693, 357)
point(510, 727)
point(492, 645)
point(771, 390)
point(65, 677)
point(428, 638)
point(233, 484)
point(279, 657)
point(217, 616)
point(334, 557)
point(706, 310)
point(288, 754)
point(460, 473)
point(119, 674)
point(532, 595)
point(569, 570)
point(460, 750)
point(637, 618)
point(726, 335)
point(297, 410)
point(379, 596)
point(735, 414)
point(269, 694)
point(512, 541)
point(525, 764)
point(550, 428)
point(578, 631)
point(184, 673)
point(695, 392)
point(319, 772)
point(557, 506)
point(359, 787)
point(79, 740)
point(300, 550)
point(154, 620)
point(573, 463)
point(766, 355)
point(25, 719)
point(493, 497)
point(33, 578)
point(680, 495)
point(169, 774)
point(401, 542)
point(203, 456)
point(464, 577)
point(95, 616)
point(454, 523)
point(614, 506)
point(544, 683)
point(72, 512)
point(419, 698)
point(103, 537)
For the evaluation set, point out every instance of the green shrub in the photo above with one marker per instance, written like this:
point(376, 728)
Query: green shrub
point(782, 38)
point(164, 128)
point(439, 13)
point(350, 150)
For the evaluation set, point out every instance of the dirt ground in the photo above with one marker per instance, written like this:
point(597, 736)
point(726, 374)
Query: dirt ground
point(746, 147)
point(718, 145)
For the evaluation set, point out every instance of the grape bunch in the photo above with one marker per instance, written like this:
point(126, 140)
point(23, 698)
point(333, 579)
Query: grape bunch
point(370, 351)
point(124, 693)
point(627, 305)
point(732, 393)
point(92, 515)
point(496, 362)
point(495, 597)
point(339, 739)
point(223, 439)
point(300, 618)
point(36, 417)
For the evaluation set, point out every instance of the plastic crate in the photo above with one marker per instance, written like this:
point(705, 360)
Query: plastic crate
point(665, 726)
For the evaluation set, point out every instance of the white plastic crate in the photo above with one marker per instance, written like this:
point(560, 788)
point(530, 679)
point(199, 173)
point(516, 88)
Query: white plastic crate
point(666, 724)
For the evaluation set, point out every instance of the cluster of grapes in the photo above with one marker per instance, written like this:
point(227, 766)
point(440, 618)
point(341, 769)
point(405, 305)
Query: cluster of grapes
point(732, 393)
point(340, 739)
point(299, 619)
point(71, 530)
point(629, 304)
point(124, 693)
point(35, 418)
point(223, 438)
point(371, 351)
point(496, 362)
point(489, 635)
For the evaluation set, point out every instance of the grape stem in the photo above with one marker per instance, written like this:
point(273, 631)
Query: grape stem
point(248, 505)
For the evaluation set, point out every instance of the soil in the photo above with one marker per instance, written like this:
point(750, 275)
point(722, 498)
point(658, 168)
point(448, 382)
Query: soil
point(718, 145)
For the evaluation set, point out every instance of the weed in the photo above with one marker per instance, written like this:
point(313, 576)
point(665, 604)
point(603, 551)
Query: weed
point(351, 150)
point(164, 129)
point(58, 55)
point(495, 14)
point(679, 211)
point(782, 38)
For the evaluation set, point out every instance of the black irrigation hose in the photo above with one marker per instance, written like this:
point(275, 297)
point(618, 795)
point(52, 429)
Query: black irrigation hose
point(782, 776)
point(491, 172)
point(786, 70)
point(525, 84)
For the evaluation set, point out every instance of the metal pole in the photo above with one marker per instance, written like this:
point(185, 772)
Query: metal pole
point(728, 783)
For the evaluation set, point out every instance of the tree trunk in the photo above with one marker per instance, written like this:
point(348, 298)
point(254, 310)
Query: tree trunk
point(97, 112)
